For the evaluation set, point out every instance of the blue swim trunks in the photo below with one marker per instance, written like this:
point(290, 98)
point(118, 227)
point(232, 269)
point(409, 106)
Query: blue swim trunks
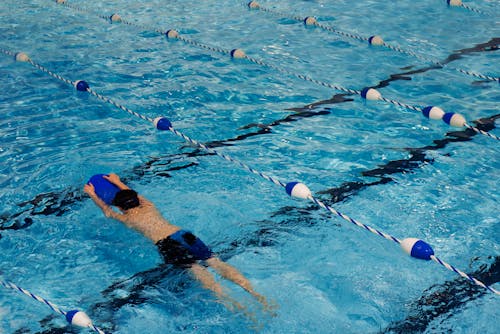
point(183, 248)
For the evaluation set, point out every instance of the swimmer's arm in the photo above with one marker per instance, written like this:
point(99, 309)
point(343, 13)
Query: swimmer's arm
point(115, 179)
point(106, 209)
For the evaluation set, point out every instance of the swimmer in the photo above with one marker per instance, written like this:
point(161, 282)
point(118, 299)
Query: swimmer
point(177, 246)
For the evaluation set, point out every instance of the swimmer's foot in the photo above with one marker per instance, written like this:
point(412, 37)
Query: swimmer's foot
point(232, 305)
point(271, 307)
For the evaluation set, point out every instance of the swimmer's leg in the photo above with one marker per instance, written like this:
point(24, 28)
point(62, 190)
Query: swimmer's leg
point(208, 281)
point(229, 272)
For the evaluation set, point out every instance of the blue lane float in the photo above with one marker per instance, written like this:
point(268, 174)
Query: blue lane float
point(81, 85)
point(162, 123)
point(22, 57)
point(375, 40)
point(78, 318)
point(238, 54)
point(417, 248)
point(171, 33)
point(454, 119)
point(115, 18)
point(310, 21)
point(298, 190)
point(253, 5)
point(371, 94)
point(433, 112)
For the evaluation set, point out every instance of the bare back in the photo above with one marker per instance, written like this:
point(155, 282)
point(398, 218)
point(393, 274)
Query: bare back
point(147, 220)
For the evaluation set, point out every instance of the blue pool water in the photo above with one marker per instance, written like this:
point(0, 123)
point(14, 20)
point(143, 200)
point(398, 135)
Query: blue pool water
point(385, 166)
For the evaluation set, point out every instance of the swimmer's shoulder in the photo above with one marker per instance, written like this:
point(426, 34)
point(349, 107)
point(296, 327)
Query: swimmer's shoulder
point(144, 201)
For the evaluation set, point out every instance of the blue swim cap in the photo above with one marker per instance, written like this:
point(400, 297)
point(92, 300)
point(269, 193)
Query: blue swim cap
point(104, 189)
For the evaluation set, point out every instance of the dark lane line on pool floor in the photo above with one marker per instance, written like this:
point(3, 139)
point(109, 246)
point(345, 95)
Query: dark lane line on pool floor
point(492, 45)
point(443, 300)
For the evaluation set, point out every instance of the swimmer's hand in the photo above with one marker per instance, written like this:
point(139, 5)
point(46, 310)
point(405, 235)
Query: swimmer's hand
point(89, 189)
point(113, 178)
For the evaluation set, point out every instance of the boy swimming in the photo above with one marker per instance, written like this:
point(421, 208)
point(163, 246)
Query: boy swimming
point(177, 246)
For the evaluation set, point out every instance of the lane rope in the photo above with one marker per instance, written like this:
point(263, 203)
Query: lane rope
point(367, 93)
point(74, 317)
point(374, 40)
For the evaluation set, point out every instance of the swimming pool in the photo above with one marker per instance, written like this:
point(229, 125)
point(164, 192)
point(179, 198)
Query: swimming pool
point(383, 165)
